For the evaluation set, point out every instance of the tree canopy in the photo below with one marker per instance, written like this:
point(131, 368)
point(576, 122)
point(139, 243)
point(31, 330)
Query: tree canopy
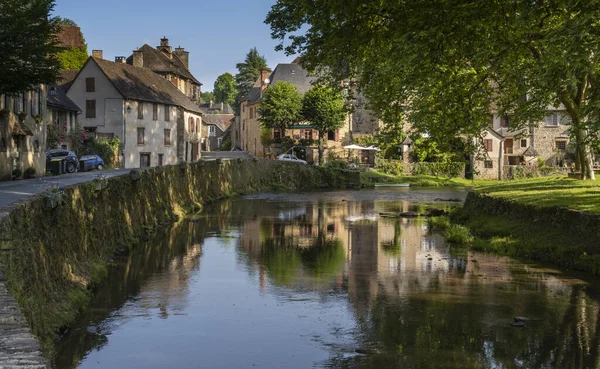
point(207, 97)
point(65, 21)
point(445, 65)
point(225, 89)
point(248, 73)
point(281, 106)
point(325, 109)
point(27, 36)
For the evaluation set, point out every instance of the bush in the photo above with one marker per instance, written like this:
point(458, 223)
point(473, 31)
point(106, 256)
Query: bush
point(17, 172)
point(439, 223)
point(337, 164)
point(439, 169)
point(30, 172)
point(226, 144)
point(516, 172)
point(107, 149)
point(392, 167)
point(459, 234)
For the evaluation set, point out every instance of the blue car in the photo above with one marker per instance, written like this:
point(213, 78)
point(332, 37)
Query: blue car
point(92, 162)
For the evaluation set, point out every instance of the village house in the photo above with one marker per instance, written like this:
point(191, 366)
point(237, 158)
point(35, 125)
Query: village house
point(172, 65)
point(156, 123)
point(61, 111)
point(247, 131)
point(214, 127)
point(217, 108)
point(23, 133)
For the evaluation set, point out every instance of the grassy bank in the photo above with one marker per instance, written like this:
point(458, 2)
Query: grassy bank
point(370, 179)
point(55, 247)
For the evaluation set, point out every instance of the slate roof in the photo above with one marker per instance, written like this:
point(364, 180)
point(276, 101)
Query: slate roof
point(143, 84)
point(160, 63)
point(530, 152)
point(222, 108)
point(222, 121)
point(294, 74)
point(57, 97)
point(509, 132)
point(66, 77)
point(254, 95)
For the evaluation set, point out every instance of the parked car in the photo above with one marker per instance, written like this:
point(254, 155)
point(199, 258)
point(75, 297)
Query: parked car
point(92, 162)
point(69, 156)
point(290, 158)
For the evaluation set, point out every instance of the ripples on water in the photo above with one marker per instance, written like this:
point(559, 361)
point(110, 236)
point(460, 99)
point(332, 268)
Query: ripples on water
point(321, 280)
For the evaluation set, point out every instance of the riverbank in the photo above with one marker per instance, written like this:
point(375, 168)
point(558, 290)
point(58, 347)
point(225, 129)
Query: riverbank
point(552, 219)
point(57, 246)
point(370, 179)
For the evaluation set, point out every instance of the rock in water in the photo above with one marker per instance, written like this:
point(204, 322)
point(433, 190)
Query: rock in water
point(518, 324)
point(521, 319)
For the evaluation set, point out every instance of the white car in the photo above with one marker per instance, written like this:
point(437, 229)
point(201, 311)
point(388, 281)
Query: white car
point(291, 158)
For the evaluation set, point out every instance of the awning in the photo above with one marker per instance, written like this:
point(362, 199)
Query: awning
point(356, 147)
point(21, 129)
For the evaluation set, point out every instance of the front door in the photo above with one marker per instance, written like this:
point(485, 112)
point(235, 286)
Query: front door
point(194, 151)
point(145, 160)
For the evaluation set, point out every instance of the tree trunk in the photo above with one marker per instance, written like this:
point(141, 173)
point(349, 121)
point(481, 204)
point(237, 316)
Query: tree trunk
point(583, 153)
point(321, 134)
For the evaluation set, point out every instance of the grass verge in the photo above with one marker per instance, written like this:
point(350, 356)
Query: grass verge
point(370, 179)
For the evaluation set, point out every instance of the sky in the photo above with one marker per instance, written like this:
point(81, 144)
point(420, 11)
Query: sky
point(217, 33)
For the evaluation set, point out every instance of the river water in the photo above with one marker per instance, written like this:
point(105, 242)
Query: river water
point(322, 280)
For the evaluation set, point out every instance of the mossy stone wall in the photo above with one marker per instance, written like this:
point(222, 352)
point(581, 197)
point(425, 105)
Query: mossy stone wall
point(51, 257)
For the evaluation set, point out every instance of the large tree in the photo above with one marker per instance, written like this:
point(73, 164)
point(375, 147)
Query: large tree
point(248, 73)
point(71, 56)
point(324, 108)
point(27, 38)
point(281, 106)
point(446, 64)
point(225, 89)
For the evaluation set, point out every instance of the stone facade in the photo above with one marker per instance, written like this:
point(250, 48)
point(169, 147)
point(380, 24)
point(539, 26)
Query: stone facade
point(23, 144)
point(488, 163)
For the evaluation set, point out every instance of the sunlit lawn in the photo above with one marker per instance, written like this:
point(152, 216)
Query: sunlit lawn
point(548, 191)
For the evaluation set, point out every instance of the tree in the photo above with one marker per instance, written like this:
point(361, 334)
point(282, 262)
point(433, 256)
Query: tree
point(28, 39)
point(207, 97)
point(65, 21)
point(73, 58)
point(225, 89)
point(248, 73)
point(281, 106)
point(445, 65)
point(325, 109)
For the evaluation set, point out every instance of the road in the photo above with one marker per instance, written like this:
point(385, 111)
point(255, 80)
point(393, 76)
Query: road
point(13, 191)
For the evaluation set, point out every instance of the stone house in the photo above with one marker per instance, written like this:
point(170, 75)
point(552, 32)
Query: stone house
point(214, 127)
point(172, 65)
point(247, 130)
point(156, 123)
point(23, 132)
point(488, 162)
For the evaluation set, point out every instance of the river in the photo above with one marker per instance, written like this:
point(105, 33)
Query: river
point(322, 280)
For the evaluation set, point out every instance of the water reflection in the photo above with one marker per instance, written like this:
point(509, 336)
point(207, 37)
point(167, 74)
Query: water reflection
point(295, 281)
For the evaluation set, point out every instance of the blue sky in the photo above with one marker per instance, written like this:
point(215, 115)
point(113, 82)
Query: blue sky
point(217, 33)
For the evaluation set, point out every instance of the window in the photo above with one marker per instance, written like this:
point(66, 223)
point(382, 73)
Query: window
point(140, 110)
point(160, 160)
point(2, 144)
point(276, 133)
point(141, 131)
point(212, 131)
point(552, 119)
point(191, 124)
point(488, 164)
point(197, 124)
point(306, 134)
point(561, 145)
point(90, 108)
point(508, 146)
point(167, 137)
point(219, 142)
point(167, 113)
point(90, 84)
point(523, 143)
point(144, 159)
point(331, 136)
point(489, 145)
point(36, 146)
point(504, 121)
point(155, 111)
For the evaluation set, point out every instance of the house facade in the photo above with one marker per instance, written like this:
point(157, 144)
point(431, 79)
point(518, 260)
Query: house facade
point(172, 65)
point(62, 114)
point(156, 123)
point(214, 127)
point(23, 132)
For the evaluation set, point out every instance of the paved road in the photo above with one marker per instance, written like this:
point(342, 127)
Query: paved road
point(13, 191)
point(208, 155)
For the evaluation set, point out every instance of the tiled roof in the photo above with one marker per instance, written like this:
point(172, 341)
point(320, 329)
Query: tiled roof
point(143, 84)
point(66, 78)
point(222, 121)
point(530, 152)
point(58, 98)
point(161, 63)
point(509, 132)
point(221, 107)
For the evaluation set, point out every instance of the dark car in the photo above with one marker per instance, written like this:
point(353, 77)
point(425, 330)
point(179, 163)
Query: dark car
point(69, 156)
point(92, 162)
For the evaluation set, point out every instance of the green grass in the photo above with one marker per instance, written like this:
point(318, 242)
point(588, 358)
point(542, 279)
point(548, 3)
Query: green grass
point(370, 179)
point(558, 191)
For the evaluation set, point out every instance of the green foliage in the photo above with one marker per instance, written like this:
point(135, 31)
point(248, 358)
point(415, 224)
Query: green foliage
point(52, 138)
point(28, 35)
point(248, 73)
point(364, 140)
point(72, 58)
point(281, 106)
point(441, 169)
point(226, 144)
point(17, 172)
point(441, 223)
point(459, 234)
point(324, 108)
point(389, 166)
point(207, 97)
point(225, 89)
point(516, 172)
point(107, 149)
point(266, 138)
point(337, 164)
point(445, 78)
point(65, 21)
point(77, 137)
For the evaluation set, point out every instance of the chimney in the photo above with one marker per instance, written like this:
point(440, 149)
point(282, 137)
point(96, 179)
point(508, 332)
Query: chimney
point(264, 75)
point(97, 54)
point(138, 58)
point(120, 59)
point(183, 55)
point(164, 46)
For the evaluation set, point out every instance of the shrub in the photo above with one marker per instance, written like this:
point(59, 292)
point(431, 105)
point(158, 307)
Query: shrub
point(30, 172)
point(392, 167)
point(337, 164)
point(17, 172)
point(439, 169)
point(107, 149)
point(439, 223)
point(516, 172)
point(459, 234)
